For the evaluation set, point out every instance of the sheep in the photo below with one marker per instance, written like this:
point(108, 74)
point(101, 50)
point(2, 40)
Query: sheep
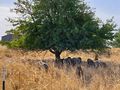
point(72, 61)
point(99, 63)
point(76, 61)
point(39, 64)
point(90, 63)
point(44, 65)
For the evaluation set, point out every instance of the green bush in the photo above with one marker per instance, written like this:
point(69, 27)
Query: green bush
point(6, 43)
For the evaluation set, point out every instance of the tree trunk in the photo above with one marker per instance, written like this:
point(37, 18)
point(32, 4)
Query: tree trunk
point(57, 55)
point(58, 61)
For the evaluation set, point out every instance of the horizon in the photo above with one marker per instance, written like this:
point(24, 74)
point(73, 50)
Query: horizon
point(103, 10)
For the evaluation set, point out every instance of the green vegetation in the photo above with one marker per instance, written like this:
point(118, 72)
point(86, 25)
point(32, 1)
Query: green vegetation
point(116, 42)
point(5, 43)
point(59, 25)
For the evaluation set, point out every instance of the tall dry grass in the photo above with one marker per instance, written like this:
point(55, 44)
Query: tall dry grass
point(23, 76)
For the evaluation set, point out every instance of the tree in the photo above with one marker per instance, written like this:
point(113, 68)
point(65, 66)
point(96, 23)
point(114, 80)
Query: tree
point(59, 25)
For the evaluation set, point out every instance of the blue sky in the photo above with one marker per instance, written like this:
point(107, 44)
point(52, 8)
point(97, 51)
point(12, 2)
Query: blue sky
point(108, 6)
point(105, 9)
point(6, 2)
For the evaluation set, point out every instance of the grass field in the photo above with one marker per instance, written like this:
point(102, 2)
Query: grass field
point(23, 76)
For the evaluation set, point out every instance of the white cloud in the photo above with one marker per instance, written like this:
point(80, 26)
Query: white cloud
point(4, 25)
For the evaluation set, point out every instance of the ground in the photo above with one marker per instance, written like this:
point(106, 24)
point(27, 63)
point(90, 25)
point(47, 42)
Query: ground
point(24, 76)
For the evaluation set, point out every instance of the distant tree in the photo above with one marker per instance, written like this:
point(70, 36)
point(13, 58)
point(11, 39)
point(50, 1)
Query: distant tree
point(59, 25)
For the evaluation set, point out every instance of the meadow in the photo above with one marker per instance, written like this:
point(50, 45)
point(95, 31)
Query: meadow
point(23, 76)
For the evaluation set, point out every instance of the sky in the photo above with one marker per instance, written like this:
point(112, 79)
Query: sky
point(104, 9)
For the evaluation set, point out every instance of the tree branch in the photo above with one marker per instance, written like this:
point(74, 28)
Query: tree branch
point(52, 51)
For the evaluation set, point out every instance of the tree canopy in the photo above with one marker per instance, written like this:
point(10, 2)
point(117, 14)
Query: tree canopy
point(59, 25)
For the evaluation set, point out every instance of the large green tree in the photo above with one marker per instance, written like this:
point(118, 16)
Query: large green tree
point(59, 25)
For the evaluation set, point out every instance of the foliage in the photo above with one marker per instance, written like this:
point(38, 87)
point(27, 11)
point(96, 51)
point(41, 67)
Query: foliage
point(116, 42)
point(5, 43)
point(59, 25)
point(17, 43)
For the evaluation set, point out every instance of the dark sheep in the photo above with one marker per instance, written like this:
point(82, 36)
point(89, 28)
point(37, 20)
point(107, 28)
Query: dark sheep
point(72, 61)
point(90, 63)
point(76, 61)
point(100, 64)
point(67, 61)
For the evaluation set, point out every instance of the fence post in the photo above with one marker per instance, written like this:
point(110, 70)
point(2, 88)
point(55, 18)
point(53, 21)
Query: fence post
point(4, 73)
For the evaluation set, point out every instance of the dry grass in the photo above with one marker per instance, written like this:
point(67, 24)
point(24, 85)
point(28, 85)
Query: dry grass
point(23, 76)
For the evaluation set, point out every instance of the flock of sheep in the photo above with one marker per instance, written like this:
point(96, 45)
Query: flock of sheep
point(69, 63)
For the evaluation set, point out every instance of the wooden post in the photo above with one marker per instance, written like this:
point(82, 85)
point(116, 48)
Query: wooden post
point(4, 73)
point(3, 85)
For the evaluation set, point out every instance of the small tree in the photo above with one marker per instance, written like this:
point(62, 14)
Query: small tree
point(59, 25)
